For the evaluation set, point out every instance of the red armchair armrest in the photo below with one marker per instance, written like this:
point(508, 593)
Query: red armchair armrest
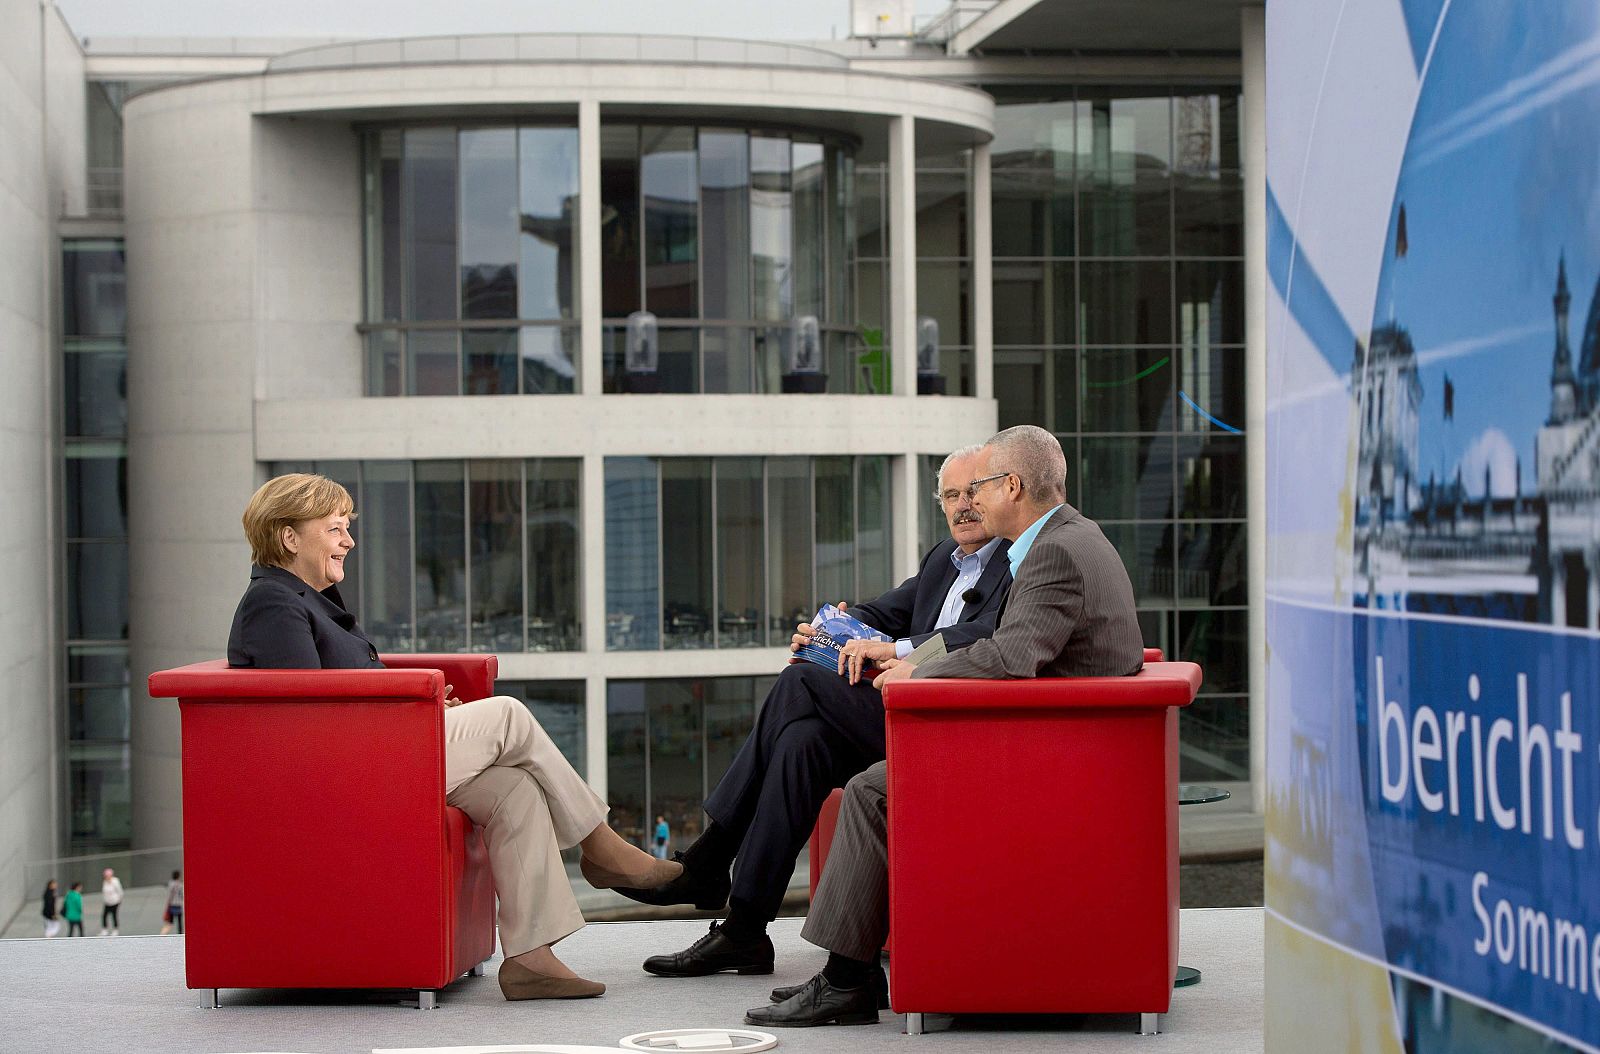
point(472, 676)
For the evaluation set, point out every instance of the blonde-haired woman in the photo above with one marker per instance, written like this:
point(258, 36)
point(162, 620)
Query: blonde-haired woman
point(500, 766)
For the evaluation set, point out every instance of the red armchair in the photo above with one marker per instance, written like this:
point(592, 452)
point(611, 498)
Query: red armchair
point(318, 848)
point(1033, 843)
point(828, 818)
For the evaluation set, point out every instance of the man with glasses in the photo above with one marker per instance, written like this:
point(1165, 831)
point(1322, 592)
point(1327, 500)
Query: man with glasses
point(1069, 613)
point(816, 729)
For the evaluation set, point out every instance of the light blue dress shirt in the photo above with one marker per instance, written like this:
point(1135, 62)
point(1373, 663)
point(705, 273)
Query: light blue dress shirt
point(969, 568)
point(1019, 548)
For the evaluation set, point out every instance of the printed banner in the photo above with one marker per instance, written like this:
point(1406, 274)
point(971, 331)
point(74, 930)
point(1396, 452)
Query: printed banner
point(1434, 525)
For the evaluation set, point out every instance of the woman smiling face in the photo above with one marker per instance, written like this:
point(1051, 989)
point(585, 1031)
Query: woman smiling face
point(317, 549)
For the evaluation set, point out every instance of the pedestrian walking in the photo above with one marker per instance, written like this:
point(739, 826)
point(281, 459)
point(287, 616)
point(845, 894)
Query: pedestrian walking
point(52, 922)
point(663, 836)
point(72, 910)
point(110, 900)
point(172, 918)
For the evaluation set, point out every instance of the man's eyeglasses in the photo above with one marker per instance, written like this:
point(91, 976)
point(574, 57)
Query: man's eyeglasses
point(949, 497)
point(977, 484)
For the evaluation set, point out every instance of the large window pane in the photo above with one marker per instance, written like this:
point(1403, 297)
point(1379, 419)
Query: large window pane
point(555, 558)
point(433, 363)
point(1214, 739)
point(942, 213)
point(429, 223)
point(1212, 564)
point(1214, 379)
point(633, 569)
point(686, 576)
point(810, 198)
point(559, 708)
point(97, 713)
point(96, 393)
point(1021, 210)
point(495, 534)
point(841, 235)
point(1127, 390)
point(1209, 213)
point(789, 518)
point(619, 217)
point(771, 227)
point(1146, 551)
point(725, 226)
point(730, 708)
point(1019, 303)
point(94, 299)
point(741, 549)
point(835, 531)
point(549, 359)
point(441, 546)
point(547, 285)
point(489, 249)
point(1125, 214)
point(383, 544)
point(1125, 303)
point(1126, 478)
point(1211, 301)
point(100, 789)
point(625, 760)
point(1211, 483)
point(1123, 135)
point(97, 492)
point(677, 756)
point(383, 362)
point(671, 221)
point(489, 361)
point(97, 590)
point(873, 541)
point(1215, 640)
point(385, 245)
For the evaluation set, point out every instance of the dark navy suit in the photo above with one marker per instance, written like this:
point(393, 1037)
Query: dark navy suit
point(816, 730)
point(269, 627)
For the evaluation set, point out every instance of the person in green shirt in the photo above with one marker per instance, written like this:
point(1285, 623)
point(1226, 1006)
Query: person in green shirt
point(72, 910)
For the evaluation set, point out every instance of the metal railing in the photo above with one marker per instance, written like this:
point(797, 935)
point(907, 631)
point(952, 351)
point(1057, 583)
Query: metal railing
point(135, 867)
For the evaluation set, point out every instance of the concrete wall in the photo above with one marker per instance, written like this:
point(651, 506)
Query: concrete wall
point(194, 298)
point(38, 67)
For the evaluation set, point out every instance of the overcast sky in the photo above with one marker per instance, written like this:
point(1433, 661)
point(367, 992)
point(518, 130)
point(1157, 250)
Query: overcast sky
point(750, 19)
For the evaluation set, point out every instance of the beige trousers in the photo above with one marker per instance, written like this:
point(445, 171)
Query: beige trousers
point(505, 772)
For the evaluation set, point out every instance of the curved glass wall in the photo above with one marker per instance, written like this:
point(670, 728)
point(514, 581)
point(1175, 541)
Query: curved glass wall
point(739, 243)
point(471, 260)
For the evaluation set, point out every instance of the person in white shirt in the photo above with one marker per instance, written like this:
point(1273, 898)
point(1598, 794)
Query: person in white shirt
point(110, 901)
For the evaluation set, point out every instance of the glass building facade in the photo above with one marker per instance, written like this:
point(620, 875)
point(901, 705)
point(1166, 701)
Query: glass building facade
point(1119, 325)
point(471, 260)
point(463, 555)
point(733, 552)
point(95, 518)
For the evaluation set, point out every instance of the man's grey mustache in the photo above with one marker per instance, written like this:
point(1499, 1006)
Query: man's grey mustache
point(968, 517)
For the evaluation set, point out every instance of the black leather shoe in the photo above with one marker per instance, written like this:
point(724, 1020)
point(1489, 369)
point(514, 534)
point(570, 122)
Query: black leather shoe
point(819, 1003)
point(714, 953)
point(879, 984)
point(706, 892)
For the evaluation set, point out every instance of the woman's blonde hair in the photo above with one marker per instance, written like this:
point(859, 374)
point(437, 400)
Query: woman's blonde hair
point(284, 501)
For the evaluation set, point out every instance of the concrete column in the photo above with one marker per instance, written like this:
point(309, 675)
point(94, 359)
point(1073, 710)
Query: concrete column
point(982, 242)
point(1253, 68)
point(905, 493)
point(903, 254)
point(592, 514)
point(589, 364)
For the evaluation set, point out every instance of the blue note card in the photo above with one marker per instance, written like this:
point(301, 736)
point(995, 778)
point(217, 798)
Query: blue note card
point(834, 628)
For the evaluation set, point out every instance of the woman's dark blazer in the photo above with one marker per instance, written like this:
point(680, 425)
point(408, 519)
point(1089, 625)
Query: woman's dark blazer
point(283, 624)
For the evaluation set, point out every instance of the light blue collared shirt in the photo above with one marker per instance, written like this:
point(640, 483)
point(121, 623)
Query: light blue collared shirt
point(1019, 548)
point(969, 568)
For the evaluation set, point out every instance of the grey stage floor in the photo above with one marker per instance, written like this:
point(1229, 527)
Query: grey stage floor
point(127, 994)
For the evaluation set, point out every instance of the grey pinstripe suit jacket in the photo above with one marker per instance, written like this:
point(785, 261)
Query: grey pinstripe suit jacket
point(1070, 613)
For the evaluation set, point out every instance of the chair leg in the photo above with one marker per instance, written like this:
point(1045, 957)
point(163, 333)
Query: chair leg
point(427, 1000)
point(1149, 1024)
point(913, 1024)
point(209, 998)
point(478, 970)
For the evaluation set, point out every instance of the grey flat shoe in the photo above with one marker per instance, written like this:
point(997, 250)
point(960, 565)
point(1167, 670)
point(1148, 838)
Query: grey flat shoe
point(519, 982)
